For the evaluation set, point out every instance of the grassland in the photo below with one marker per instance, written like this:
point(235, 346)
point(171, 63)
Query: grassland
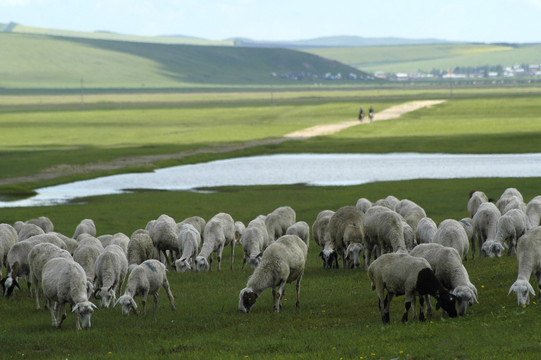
point(338, 317)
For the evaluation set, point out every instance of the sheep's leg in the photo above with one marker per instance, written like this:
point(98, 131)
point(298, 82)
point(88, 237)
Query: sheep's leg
point(155, 296)
point(219, 257)
point(35, 282)
point(144, 302)
point(52, 309)
point(232, 253)
point(421, 306)
point(278, 295)
point(169, 294)
point(383, 304)
point(298, 288)
point(243, 262)
point(29, 284)
point(473, 240)
point(407, 308)
point(61, 309)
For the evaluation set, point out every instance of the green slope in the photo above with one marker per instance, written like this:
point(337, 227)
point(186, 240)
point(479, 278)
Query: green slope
point(38, 61)
point(428, 57)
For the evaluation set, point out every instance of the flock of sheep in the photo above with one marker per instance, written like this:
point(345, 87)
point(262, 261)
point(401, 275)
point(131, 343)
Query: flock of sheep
point(403, 251)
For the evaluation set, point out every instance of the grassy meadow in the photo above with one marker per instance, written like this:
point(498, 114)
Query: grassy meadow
point(338, 317)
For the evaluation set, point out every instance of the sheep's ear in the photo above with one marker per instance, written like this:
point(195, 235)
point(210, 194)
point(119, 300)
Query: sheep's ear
point(75, 308)
point(116, 303)
point(133, 304)
point(94, 306)
point(259, 255)
point(532, 291)
point(512, 288)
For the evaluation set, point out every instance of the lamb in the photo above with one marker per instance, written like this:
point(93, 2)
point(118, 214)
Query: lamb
point(426, 229)
point(8, 237)
point(278, 221)
point(146, 278)
point(86, 226)
point(38, 257)
point(363, 204)
point(140, 248)
point(43, 222)
point(403, 274)
point(511, 226)
point(164, 236)
point(485, 223)
point(301, 229)
point(411, 212)
point(450, 233)
point(529, 263)
point(189, 239)
point(254, 241)
point(64, 281)
point(345, 227)
point(447, 266)
point(282, 262)
point(219, 232)
point(384, 232)
point(110, 270)
point(476, 199)
point(533, 211)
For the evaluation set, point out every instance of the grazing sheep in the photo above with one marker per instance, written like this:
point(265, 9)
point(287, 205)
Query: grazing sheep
point(239, 229)
point(353, 255)
point(533, 211)
point(447, 266)
point(38, 257)
point(86, 226)
point(144, 279)
point(282, 262)
point(384, 232)
point(8, 237)
point(164, 236)
point(29, 230)
point(196, 221)
point(345, 227)
point(403, 274)
point(411, 212)
point(140, 248)
point(363, 204)
point(189, 239)
point(71, 244)
point(254, 241)
point(393, 201)
point(278, 221)
point(319, 231)
point(426, 229)
point(512, 192)
point(476, 199)
point(43, 222)
point(511, 226)
point(87, 253)
point(110, 271)
point(409, 235)
point(64, 281)
point(384, 203)
point(219, 232)
point(485, 225)
point(467, 224)
point(17, 261)
point(529, 263)
point(301, 229)
point(450, 233)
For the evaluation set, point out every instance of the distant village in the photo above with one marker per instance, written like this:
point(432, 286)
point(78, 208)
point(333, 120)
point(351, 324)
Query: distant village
point(525, 71)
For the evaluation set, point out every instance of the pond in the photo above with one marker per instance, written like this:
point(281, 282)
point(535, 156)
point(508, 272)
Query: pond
point(310, 169)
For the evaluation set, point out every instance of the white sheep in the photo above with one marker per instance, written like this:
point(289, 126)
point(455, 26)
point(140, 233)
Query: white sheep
point(450, 233)
point(38, 257)
point(86, 226)
point(393, 201)
point(363, 204)
point(448, 268)
point(319, 227)
point(403, 274)
point(345, 227)
point(196, 221)
point(146, 278)
point(254, 241)
point(533, 211)
point(8, 237)
point(383, 233)
point(164, 236)
point(64, 281)
point(409, 235)
point(87, 253)
point(43, 222)
point(282, 262)
point(219, 232)
point(71, 244)
point(426, 229)
point(301, 229)
point(119, 239)
point(28, 230)
point(485, 225)
point(512, 192)
point(140, 248)
point(529, 263)
point(278, 221)
point(511, 226)
point(476, 199)
point(411, 212)
point(190, 240)
point(467, 224)
point(110, 270)
point(239, 230)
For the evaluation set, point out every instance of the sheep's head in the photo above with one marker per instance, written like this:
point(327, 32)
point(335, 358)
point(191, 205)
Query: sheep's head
point(523, 289)
point(183, 265)
point(84, 312)
point(465, 295)
point(8, 284)
point(127, 303)
point(447, 302)
point(329, 257)
point(353, 255)
point(492, 248)
point(105, 295)
point(247, 298)
point(201, 264)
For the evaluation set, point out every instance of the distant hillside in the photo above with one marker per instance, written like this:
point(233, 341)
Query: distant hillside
point(43, 61)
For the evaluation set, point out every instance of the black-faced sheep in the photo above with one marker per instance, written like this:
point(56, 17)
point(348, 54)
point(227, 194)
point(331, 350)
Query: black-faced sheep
point(529, 263)
point(110, 271)
point(146, 278)
point(219, 232)
point(282, 262)
point(403, 274)
point(64, 281)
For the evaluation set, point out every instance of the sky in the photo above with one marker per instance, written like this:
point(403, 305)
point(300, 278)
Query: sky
point(455, 20)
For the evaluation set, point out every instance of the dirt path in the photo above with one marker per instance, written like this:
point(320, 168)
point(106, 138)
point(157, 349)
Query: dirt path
point(64, 170)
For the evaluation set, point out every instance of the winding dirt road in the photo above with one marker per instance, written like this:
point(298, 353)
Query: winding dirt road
point(319, 130)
